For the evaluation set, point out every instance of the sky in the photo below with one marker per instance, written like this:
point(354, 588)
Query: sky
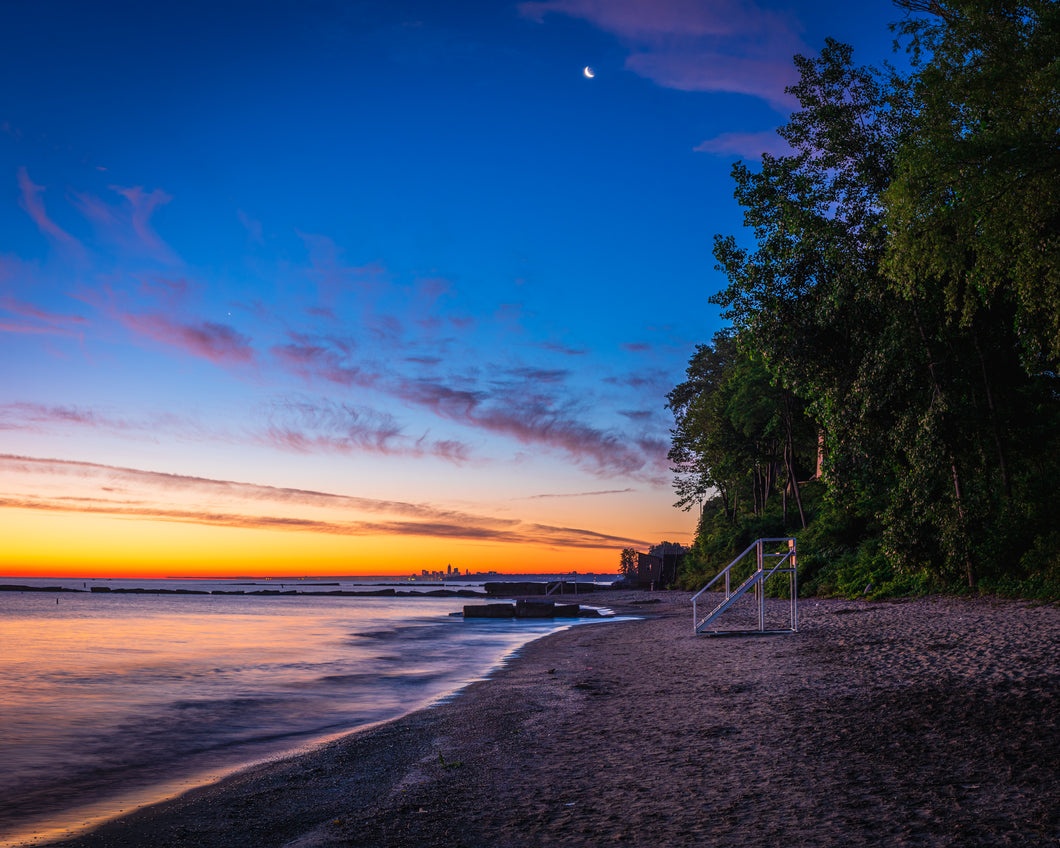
point(337, 288)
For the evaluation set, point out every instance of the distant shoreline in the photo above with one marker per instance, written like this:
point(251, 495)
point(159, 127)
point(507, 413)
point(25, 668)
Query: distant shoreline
point(932, 721)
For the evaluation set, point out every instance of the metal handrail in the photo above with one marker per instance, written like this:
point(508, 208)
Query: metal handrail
point(724, 572)
point(757, 579)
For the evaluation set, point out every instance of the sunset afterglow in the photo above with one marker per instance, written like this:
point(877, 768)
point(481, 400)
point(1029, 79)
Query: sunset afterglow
point(365, 288)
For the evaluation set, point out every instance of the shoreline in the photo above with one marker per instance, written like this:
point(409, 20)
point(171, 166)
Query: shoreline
point(925, 722)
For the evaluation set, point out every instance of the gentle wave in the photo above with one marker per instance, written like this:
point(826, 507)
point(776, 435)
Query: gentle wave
point(106, 697)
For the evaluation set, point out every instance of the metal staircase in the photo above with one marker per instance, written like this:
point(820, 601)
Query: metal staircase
point(766, 550)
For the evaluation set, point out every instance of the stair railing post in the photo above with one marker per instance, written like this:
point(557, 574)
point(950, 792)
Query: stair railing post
point(760, 589)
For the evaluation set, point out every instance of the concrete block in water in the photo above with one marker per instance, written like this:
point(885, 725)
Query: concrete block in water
point(489, 611)
point(535, 609)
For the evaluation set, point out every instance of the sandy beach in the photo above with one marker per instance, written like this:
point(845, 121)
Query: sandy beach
point(929, 722)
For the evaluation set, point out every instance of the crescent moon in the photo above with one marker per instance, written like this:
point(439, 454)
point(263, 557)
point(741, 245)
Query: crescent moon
point(589, 72)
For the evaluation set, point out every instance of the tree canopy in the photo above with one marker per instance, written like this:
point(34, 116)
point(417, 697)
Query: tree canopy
point(899, 314)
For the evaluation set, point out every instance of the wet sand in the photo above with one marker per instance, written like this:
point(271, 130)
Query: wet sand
point(931, 722)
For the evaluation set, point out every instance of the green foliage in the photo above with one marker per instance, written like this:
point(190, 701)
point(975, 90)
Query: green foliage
point(903, 302)
point(739, 436)
point(449, 764)
point(628, 563)
point(974, 204)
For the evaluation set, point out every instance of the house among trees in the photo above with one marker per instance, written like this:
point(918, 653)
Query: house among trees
point(656, 569)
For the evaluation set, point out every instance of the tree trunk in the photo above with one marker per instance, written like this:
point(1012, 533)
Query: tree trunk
point(939, 398)
point(1002, 465)
point(789, 459)
point(784, 505)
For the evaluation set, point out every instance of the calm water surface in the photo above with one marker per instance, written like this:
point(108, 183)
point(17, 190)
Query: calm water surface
point(111, 701)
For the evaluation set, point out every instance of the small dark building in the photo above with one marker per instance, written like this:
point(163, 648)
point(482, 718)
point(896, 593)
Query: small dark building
point(659, 572)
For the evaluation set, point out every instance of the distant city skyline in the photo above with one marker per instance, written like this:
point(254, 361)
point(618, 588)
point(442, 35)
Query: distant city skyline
point(366, 287)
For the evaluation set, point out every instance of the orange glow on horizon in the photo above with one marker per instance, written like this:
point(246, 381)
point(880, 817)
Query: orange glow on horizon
point(64, 545)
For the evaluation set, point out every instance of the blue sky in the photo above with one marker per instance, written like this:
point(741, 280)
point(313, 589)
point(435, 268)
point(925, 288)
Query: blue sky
point(398, 251)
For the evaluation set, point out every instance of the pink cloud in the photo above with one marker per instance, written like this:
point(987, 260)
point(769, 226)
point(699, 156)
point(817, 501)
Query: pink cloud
point(384, 327)
point(253, 227)
point(96, 210)
point(655, 381)
point(128, 224)
point(758, 76)
point(748, 145)
point(321, 427)
point(358, 436)
point(541, 375)
point(218, 343)
point(356, 439)
point(333, 276)
point(33, 330)
point(608, 453)
point(577, 494)
point(32, 202)
point(452, 450)
point(309, 360)
point(143, 206)
point(173, 292)
point(146, 494)
point(23, 416)
point(443, 401)
point(430, 289)
point(484, 528)
point(555, 347)
point(636, 19)
point(723, 46)
point(427, 361)
point(28, 310)
point(529, 419)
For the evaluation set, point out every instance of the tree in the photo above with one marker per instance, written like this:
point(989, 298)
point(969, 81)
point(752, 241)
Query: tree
point(736, 431)
point(811, 297)
point(704, 451)
point(925, 367)
point(974, 205)
point(628, 563)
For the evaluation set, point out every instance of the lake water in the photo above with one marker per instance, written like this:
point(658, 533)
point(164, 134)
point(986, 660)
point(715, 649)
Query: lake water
point(111, 701)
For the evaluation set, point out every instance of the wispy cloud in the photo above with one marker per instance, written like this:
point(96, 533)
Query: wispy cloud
point(555, 347)
point(524, 403)
point(150, 495)
point(31, 416)
point(128, 224)
point(323, 358)
point(173, 292)
point(748, 145)
point(219, 343)
point(333, 277)
point(603, 452)
point(577, 494)
point(308, 426)
point(33, 319)
point(33, 203)
point(721, 46)
point(524, 413)
point(541, 375)
point(253, 227)
point(143, 205)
